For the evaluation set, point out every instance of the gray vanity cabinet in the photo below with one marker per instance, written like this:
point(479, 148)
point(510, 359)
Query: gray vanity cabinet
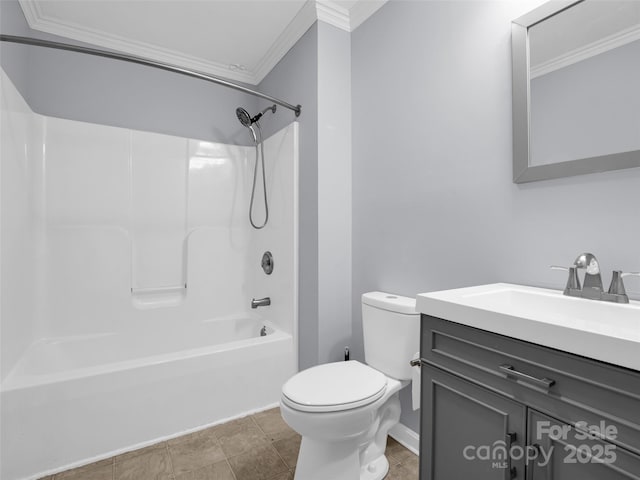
point(467, 424)
point(561, 416)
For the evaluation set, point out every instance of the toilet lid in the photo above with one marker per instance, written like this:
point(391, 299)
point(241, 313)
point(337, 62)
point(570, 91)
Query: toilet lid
point(334, 387)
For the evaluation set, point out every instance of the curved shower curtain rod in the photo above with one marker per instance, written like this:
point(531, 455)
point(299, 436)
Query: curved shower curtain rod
point(150, 63)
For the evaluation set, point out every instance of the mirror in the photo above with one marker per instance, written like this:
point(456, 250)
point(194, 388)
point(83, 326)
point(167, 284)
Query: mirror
point(576, 101)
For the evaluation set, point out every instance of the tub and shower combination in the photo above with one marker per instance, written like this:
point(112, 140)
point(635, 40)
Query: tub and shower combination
point(128, 270)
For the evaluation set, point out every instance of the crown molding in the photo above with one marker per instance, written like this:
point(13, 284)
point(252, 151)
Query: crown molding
point(31, 12)
point(328, 11)
point(587, 51)
point(287, 39)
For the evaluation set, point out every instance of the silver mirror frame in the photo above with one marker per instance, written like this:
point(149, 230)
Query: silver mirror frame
point(523, 172)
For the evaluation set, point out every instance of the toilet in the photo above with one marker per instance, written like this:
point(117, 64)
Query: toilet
point(344, 410)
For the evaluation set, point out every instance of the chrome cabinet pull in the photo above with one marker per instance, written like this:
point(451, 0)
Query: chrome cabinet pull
point(543, 382)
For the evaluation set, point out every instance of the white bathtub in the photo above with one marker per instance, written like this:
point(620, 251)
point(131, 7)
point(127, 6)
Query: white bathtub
point(73, 400)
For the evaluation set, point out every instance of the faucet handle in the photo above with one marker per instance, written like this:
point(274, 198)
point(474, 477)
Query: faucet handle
point(630, 274)
point(617, 285)
point(573, 282)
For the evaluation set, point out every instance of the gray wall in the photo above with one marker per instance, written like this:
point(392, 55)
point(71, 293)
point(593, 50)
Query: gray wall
point(111, 92)
point(434, 206)
point(14, 60)
point(295, 79)
point(316, 72)
point(334, 192)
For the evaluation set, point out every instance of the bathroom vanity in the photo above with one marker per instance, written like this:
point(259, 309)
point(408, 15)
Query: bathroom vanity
point(508, 393)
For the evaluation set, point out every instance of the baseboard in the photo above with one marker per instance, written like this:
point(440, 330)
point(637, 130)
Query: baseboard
point(406, 437)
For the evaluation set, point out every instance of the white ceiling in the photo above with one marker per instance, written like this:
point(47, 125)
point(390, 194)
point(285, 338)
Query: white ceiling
point(238, 39)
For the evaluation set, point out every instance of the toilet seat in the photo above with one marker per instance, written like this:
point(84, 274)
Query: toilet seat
point(334, 387)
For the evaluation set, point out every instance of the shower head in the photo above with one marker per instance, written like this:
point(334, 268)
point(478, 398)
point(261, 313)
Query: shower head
point(246, 119)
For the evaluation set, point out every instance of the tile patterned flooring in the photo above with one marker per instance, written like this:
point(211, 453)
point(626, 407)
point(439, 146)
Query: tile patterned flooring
point(257, 447)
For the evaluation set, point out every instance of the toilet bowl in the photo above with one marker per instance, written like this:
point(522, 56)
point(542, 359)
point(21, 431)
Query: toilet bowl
point(344, 410)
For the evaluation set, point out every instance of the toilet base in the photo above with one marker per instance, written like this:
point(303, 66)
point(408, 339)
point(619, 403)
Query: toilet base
point(358, 457)
point(336, 461)
point(320, 460)
point(376, 470)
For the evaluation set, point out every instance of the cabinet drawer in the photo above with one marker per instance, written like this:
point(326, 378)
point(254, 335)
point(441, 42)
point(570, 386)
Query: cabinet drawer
point(576, 389)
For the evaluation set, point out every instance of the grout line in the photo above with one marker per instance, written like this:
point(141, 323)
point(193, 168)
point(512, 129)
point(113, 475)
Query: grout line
point(271, 442)
point(252, 417)
point(277, 475)
point(267, 442)
point(173, 472)
point(230, 467)
point(281, 457)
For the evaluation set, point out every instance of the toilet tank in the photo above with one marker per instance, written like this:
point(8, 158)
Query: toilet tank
point(391, 329)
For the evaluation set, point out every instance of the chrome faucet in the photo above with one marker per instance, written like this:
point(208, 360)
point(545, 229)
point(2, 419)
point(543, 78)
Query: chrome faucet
point(260, 302)
point(592, 285)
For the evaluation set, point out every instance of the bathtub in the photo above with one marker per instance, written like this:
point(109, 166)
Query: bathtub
point(73, 400)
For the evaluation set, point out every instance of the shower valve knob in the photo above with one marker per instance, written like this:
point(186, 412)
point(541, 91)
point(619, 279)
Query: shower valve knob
point(267, 263)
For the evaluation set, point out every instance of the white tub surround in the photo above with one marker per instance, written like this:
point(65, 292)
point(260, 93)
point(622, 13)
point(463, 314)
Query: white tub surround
point(132, 266)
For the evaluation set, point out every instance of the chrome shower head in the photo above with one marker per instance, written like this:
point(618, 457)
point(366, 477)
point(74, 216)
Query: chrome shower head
point(244, 117)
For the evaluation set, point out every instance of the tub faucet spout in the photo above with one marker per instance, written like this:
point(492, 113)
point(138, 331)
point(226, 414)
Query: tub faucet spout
point(260, 302)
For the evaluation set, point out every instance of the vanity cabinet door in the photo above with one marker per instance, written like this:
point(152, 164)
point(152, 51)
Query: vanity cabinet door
point(467, 431)
point(567, 453)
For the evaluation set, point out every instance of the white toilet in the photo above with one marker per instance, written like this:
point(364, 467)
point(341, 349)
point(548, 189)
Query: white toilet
point(344, 410)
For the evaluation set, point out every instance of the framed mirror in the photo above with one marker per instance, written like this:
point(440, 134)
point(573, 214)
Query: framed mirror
point(576, 94)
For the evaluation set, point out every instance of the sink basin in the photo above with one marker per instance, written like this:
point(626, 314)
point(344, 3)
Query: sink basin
point(603, 331)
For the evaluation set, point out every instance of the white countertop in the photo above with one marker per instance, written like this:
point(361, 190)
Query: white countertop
point(604, 331)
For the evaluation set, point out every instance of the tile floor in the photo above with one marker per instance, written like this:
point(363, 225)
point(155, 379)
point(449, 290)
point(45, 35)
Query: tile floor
point(257, 447)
